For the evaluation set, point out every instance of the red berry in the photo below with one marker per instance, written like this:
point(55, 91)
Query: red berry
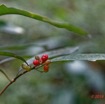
point(46, 68)
point(44, 57)
point(36, 62)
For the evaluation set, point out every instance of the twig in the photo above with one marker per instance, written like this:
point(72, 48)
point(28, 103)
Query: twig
point(11, 82)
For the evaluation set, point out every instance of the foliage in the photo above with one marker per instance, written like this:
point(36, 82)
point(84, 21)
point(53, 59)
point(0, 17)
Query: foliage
point(36, 38)
point(6, 10)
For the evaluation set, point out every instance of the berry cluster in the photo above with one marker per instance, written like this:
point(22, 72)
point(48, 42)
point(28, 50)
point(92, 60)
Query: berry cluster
point(43, 60)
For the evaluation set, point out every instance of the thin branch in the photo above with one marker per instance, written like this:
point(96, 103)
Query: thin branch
point(5, 75)
point(11, 82)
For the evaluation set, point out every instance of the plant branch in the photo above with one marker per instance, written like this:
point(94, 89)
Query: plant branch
point(11, 82)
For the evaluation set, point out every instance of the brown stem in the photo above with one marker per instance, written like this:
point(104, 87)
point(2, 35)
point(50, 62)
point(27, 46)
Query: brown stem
point(5, 88)
point(11, 82)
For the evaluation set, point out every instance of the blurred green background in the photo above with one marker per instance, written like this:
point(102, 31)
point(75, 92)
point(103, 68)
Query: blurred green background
point(67, 82)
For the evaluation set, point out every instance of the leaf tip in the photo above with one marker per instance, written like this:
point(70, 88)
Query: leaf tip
point(2, 5)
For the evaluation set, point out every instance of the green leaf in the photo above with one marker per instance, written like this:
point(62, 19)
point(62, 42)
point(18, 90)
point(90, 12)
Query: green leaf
point(15, 47)
point(55, 53)
point(13, 55)
point(4, 10)
point(88, 57)
point(5, 74)
point(6, 60)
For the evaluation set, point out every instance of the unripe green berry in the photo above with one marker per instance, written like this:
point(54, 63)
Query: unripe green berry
point(26, 67)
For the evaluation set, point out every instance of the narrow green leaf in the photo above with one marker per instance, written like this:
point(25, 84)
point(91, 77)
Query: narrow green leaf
point(88, 57)
point(13, 55)
point(15, 47)
point(55, 53)
point(4, 10)
point(6, 60)
point(5, 74)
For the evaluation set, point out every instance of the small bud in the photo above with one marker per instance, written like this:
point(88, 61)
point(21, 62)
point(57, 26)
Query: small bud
point(47, 62)
point(26, 67)
point(37, 57)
